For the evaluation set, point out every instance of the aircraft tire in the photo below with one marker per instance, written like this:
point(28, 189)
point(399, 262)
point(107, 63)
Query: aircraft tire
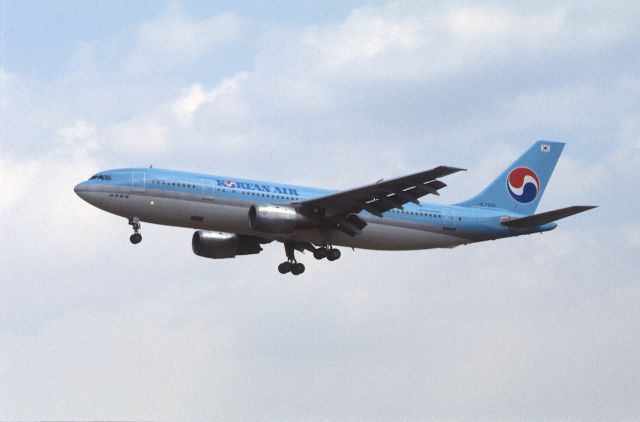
point(333, 254)
point(284, 268)
point(135, 238)
point(297, 268)
point(320, 253)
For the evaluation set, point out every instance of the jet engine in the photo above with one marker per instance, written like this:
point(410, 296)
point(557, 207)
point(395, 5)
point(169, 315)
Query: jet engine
point(219, 245)
point(278, 219)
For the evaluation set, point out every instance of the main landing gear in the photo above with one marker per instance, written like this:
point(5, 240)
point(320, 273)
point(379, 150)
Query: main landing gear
point(290, 265)
point(135, 237)
point(327, 252)
point(295, 267)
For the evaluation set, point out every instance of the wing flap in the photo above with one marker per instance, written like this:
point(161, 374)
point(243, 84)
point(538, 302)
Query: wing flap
point(383, 195)
point(546, 217)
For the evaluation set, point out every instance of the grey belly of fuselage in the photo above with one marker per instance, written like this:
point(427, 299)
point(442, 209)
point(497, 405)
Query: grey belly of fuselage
point(221, 214)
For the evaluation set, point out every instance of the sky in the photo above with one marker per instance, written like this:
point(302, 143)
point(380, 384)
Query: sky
point(335, 95)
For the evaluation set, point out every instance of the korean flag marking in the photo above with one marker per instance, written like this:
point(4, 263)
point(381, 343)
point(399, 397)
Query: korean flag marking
point(545, 148)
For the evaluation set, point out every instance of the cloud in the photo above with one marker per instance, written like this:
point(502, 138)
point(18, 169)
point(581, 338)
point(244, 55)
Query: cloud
point(81, 133)
point(140, 136)
point(400, 41)
point(224, 96)
point(174, 39)
point(14, 177)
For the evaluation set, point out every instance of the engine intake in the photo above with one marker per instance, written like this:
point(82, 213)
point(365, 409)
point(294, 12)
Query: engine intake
point(218, 245)
point(278, 219)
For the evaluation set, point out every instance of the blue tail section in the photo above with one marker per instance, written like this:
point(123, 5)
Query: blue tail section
point(520, 187)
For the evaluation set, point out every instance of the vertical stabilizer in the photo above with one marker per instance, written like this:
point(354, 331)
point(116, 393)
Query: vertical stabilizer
point(520, 187)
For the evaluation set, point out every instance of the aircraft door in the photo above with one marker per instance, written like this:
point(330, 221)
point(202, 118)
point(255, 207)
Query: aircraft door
point(208, 189)
point(138, 181)
point(449, 218)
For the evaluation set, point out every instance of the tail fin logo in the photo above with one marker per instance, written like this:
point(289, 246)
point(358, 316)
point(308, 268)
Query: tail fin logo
point(523, 184)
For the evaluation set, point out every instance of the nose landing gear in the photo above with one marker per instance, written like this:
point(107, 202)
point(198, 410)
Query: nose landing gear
point(135, 237)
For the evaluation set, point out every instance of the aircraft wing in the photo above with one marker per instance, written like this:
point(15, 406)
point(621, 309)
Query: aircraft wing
point(340, 208)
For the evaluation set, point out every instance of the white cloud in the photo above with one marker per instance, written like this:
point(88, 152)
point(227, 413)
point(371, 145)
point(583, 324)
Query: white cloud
point(15, 178)
point(80, 134)
point(80, 130)
point(398, 41)
point(140, 135)
point(175, 38)
point(224, 97)
point(363, 36)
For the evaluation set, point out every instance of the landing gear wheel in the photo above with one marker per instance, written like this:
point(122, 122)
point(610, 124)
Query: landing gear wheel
point(297, 268)
point(290, 264)
point(136, 237)
point(284, 268)
point(333, 254)
point(320, 253)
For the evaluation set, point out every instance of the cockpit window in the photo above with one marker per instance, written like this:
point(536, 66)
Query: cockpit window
point(100, 177)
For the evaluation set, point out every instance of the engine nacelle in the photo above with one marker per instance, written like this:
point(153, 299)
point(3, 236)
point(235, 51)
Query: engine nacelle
point(278, 219)
point(219, 245)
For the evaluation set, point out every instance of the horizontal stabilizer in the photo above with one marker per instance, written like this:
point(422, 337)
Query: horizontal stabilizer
point(545, 217)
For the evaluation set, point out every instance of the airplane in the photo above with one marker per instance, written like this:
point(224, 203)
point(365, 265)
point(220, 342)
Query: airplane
point(234, 216)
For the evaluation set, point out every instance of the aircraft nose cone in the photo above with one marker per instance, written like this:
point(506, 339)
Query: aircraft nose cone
point(80, 189)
